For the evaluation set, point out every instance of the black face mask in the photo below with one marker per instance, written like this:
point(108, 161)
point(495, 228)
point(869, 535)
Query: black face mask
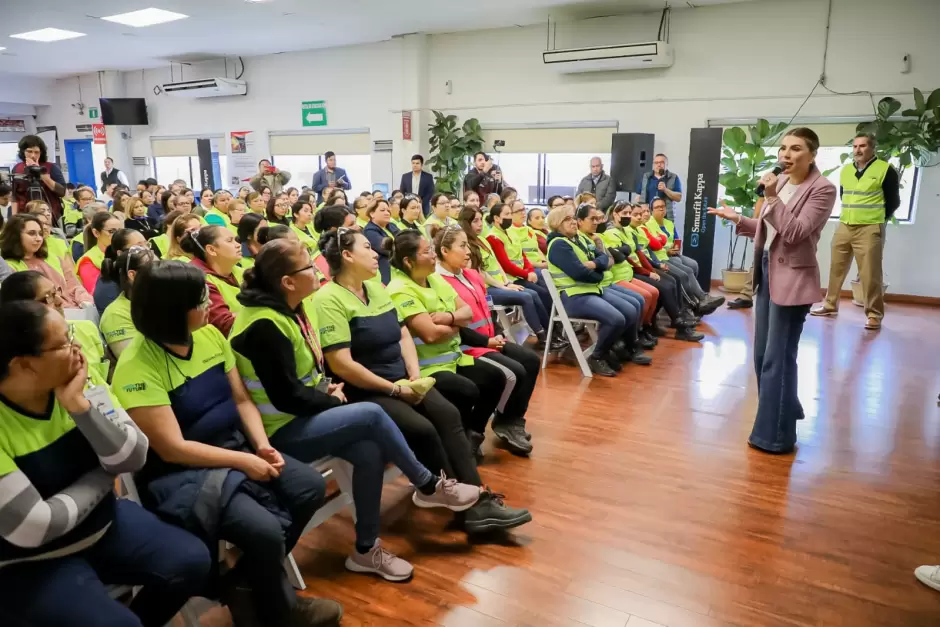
point(505, 223)
point(601, 227)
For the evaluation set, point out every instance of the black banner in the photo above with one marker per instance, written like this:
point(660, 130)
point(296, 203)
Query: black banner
point(206, 173)
point(701, 191)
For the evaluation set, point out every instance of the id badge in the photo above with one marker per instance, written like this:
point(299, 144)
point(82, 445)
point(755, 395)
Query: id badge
point(99, 398)
point(324, 384)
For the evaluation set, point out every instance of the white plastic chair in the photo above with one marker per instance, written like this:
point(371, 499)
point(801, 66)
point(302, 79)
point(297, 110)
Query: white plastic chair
point(558, 314)
point(512, 322)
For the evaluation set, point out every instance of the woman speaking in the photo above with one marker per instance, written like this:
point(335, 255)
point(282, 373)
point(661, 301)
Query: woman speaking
point(796, 207)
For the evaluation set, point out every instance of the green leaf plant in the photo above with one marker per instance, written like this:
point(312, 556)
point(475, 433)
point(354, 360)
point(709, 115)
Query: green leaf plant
point(452, 145)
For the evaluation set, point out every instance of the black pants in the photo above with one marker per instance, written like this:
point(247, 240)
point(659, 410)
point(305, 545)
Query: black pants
point(524, 364)
point(433, 430)
point(264, 543)
point(668, 293)
point(475, 390)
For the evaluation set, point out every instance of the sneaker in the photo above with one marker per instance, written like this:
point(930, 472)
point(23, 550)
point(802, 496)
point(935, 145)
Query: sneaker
point(448, 493)
point(647, 343)
point(688, 335)
point(613, 360)
point(709, 304)
point(311, 612)
point(640, 358)
point(521, 422)
point(822, 310)
point(646, 333)
point(490, 514)
point(929, 576)
point(380, 562)
point(512, 436)
point(600, 367)
point(741, 303)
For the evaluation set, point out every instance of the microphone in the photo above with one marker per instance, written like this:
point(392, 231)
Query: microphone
point(778, 168)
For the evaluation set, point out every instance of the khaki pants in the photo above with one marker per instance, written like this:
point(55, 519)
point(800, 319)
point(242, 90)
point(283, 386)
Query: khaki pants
point(747, 293)
point(864, 242)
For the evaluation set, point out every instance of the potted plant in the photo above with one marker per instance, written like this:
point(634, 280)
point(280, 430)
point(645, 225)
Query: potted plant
point(451, 148)
point(743, 162)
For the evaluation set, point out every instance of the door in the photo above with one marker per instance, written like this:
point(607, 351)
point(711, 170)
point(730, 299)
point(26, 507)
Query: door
point(81, 162)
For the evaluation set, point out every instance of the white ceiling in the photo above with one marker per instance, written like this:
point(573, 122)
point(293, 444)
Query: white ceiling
point(218, 28)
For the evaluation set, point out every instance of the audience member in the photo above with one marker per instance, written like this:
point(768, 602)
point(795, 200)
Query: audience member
point(419, 183)
point(600, 184)
point(138, 220)
point(292, 194)
point(376, 231)
point(6, 200)
point(256, 203)
point(107, 288)
point(277, 209)
point(206, 198)
point(269, 177)
point(35, 178)
point(485, 177)
point(440, 208)
point(411, 212)
point(361, 207)
point(302, 211)
point(248, 238)
point(218, 215)
point(215, 252)
point(509, 253)
point(97, 238)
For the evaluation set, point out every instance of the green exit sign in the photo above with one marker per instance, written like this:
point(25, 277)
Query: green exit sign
point(313, 112)
point(93, 113)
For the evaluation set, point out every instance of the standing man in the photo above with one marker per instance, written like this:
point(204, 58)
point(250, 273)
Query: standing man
point(484, 178)
point(112, 175)
point(663, 184)
point(329, 177)
point(870, 192)
point(270, 177)
point(598, 183)
point(419, 183)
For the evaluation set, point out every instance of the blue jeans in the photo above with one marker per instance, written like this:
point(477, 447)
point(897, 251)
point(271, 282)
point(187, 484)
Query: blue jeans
point(777, 332)
point(603, 310)
point(138, 549)
point(365, 436)
point(540, 289)
point(636, 303)
point(532, 309)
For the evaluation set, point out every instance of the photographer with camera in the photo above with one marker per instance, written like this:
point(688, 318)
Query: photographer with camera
point(34, 178)
point(485, 177)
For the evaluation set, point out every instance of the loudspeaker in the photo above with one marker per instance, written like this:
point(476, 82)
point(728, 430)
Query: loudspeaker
point(631, 155)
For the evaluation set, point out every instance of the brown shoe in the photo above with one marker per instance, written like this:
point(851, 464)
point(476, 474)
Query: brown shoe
point(822, 310)
point(873, 324)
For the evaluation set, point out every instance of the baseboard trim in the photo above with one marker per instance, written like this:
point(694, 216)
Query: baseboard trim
point(908, 299)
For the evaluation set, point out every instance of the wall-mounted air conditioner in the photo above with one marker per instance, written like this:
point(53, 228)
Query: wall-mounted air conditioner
point(656, 54)
point(206, 88)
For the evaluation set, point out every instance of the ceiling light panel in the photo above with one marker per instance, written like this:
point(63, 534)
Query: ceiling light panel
point(145, 17)
point(47, 35)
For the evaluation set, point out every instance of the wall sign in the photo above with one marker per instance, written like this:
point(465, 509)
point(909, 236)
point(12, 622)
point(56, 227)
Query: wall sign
point(313, 112)
point(92, 113)
point(406, 125)
point(99, 134)
point(12, 126)
point(700, 193)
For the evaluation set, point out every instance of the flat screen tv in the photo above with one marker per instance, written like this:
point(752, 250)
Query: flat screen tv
point(124, 111)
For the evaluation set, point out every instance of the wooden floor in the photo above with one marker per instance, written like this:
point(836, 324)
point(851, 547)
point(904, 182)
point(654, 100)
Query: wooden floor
point(649, 509)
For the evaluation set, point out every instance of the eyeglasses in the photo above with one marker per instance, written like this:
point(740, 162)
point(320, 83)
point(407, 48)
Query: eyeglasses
point(69, 341)
point(304, 269)
point(51, 297)
point(110, 231)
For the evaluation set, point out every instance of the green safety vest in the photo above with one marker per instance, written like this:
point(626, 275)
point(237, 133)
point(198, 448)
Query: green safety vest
point(438, 296)
point(226, 221)
point(361, 223)
point(662, 254)
point(58, 248)
point(89, 337)
point(399, 224)
point(162, 242)
point(640, 236)
point(18, 265)
point(564, 283)
point(491, 263)
point(615, 237)
point(71, 215)
point(305, 363)
point(306, 238)
point(863, 200)
point(434, 220)
point(528, 241)
point(513, 247)
point(95, 256)
point(229, 292)
point(608, 273)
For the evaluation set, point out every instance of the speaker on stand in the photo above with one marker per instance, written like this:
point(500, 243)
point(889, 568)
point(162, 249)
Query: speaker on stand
point(631, 156)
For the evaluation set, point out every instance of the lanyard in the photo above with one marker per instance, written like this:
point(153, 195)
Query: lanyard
point(310, 336)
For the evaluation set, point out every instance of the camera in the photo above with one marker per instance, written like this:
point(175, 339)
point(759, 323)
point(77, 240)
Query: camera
point(499, 143)
point(33, 172)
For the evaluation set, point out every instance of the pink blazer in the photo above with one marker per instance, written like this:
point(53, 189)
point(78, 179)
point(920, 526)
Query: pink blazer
point(792, 266)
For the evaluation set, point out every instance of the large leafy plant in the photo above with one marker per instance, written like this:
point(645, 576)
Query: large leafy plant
point(913, 138)
point(746, 155)
point(451, 147)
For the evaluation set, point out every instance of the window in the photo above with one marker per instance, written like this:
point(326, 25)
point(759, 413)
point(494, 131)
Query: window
point(539, 175)
point(522, 171)
point(168, 169)
point(303, 167)
point(828, 157)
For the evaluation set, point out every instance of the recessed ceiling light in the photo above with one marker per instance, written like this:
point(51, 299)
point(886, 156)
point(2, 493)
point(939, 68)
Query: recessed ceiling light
point(48, 34)
point(1, 48)
point(145, 17)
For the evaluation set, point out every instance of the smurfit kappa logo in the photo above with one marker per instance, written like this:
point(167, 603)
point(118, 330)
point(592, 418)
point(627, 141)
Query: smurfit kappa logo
point(694, 241)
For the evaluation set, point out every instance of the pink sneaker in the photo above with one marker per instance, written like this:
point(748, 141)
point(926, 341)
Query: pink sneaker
point(454, 496)
point(380, 562)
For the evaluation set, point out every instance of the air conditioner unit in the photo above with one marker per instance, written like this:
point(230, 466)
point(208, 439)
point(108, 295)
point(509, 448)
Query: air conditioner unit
point(206, 88)
point(656, 54)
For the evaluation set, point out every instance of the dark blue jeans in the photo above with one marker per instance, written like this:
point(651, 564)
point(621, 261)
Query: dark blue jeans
point(607, 310)
point(777, 331)
point(365, 436)
point(636, 304)
point(532, 309)
point(137, 549)
point(540, 289)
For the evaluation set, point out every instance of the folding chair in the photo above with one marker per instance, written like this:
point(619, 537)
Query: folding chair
point(512, 322)
point(558, 314)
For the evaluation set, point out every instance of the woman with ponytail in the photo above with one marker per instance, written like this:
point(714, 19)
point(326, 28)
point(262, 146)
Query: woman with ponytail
point(116, 324)
point(108, 288)
point(376, 231)
point(216, 253)
point(248, 231)
point(97, 238)
point(302, 212)
point(182, 225)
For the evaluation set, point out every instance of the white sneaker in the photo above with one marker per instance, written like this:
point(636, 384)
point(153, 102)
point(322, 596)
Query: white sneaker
point(929, 576)
point(456, 497)
point(380, 562)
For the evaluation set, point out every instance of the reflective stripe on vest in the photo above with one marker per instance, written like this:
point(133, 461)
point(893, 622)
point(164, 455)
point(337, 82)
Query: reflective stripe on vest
point(528, 241)
point(863, 200)
point(563, 282)
point(478, 324)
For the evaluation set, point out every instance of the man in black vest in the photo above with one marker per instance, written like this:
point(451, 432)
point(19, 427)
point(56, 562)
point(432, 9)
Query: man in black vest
point(112, 175)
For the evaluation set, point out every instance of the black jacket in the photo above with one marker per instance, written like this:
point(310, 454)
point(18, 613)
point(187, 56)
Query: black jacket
point(272, 356)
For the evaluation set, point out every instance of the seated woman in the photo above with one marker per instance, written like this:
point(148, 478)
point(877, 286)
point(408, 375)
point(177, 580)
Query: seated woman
point(64, 536)
point(519, 364)
point(97, 239)
point(535, 220)
point(256, 203)
point(212, 470)
point(305, 415)
point(137, 219)
point(55, 238)
point(23, 247)
point(504, 293)
point(276, 211)
point(453, 212)
point(216, 253)
point(662, 233)
point(394, 209)
point(107, 288)
point(436, 316)
point(336, 198)
point(670, 293)
point(186, 223)
point(248, 231)
point(205, 203)
point(577, 274)
point(411, 212)
point(440, 209)
point(369, 350)
point(508, 251)
point(585, 198)
point(301, 224)
point(160, 244)
point(376, 231)
point(218, 215)
point(236, 211)
point(361, 207)
point(116, 324)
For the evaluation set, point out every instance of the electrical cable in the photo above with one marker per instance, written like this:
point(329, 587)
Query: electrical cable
point(805, 100)
point(242, 73)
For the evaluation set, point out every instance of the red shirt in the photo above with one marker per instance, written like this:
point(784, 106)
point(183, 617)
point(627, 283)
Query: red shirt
point(499, 249)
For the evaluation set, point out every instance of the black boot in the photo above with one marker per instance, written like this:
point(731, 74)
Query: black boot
point(491, 514)
point(512, 436)
point(648, 343)
point(613, 361)
point(600, 367)
point(687, 334)
point(638, 357)
point(657, 331)
point(476, 444)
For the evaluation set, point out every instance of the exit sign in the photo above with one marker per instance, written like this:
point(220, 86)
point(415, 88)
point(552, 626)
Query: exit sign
point(313, 113)
point(93, 113)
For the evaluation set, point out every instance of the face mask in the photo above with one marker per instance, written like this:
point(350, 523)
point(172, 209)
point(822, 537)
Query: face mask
point(601, 227)
point(505, 223)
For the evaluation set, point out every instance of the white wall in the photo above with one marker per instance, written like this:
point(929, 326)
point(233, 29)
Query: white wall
point(747, 60)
